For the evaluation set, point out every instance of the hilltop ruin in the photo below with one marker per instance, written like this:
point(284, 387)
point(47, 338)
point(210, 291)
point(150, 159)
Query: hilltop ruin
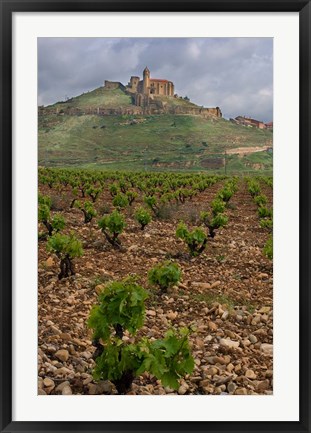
point(153, 96)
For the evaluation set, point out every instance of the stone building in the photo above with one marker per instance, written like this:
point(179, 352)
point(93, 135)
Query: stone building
point(150, 86)
point(248, 121)
point(148, 93)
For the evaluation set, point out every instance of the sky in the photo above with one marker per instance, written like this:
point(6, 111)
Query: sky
point(235, 74)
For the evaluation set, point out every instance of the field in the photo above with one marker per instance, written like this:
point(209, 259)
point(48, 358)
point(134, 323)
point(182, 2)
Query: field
point(224, 295)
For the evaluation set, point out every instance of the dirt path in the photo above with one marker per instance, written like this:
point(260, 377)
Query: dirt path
point(247, 150)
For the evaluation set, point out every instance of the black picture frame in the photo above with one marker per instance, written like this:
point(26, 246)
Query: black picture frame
point(7, 10)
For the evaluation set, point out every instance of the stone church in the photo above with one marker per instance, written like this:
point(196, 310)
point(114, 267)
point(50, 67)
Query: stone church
point(150, 86)
point(144, 90)
point(148, 93)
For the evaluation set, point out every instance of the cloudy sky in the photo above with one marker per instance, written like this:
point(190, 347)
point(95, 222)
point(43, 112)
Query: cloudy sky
point(235, 74)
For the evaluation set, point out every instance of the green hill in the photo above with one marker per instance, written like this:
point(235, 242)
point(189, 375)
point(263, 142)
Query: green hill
point(152, 142)
point(99, 97)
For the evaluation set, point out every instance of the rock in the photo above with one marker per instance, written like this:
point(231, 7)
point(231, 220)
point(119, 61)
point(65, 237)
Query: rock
point(49, 262)
point(226, 342)
point(51, 349)
point(250, 374)
point(182, 390)
point(55, 330)
point(65, 336)
point(230, 334)
point(86, 355)
point(104, 387)
point(99, 288)
point(63, 371)
point(264, 385)
point(256, 320)
point(222, 359)
point(41, 392)
point(87, 380)
point(60, 387)
point(151, 313)
point(92, 388)
point(204, 382)
point(211, 371)
point(40, 382)
point(264, 310)
point(200, 343)
point(267, 349)
point(253, 339)
point(269, 373)
point(220, 311)
point(225, 315)
point(212, 326)
point(231, 387)
point(237, 368)
point(230, 367)
point(48, 288)
point(66, 390)
point(48, 383)
point(62, 355)
point(171, 315)
point(241, 391)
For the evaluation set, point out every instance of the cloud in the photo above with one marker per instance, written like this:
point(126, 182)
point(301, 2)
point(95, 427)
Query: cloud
point(235, 74)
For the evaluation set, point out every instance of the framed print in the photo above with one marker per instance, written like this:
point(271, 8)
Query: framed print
point(155, 216)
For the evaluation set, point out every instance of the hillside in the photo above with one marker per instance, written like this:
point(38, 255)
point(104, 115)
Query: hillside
point(69, 136)
point(93, 99)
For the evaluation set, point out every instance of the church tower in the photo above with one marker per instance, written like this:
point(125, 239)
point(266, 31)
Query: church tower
point(146, 81)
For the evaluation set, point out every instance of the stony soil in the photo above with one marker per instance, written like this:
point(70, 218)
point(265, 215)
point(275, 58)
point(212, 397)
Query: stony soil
point(226, 292)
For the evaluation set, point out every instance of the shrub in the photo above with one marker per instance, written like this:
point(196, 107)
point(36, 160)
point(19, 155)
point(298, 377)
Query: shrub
point(121, 307)
point(164, 275)
point(131, 196)
point(66, 248)
point(58, 223)
point(120, 201)
point(264, 212)
point(112, 226)
point(266, 223)
point(88, 210)
point(213, 223)
point(268, 248)
point(44, 200)
point(260, 200)
point(44, 215)
point(93, 192)
point(113, 189)
point(151, 202)
point(143, 217)
point(196, 239)
point(218, 206)
point(253, 188)
point(225, 194)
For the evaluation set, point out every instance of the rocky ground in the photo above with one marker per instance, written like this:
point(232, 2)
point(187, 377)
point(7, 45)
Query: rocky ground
point(226, 292)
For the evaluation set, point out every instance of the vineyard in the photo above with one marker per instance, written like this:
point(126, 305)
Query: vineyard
point(154, 283)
